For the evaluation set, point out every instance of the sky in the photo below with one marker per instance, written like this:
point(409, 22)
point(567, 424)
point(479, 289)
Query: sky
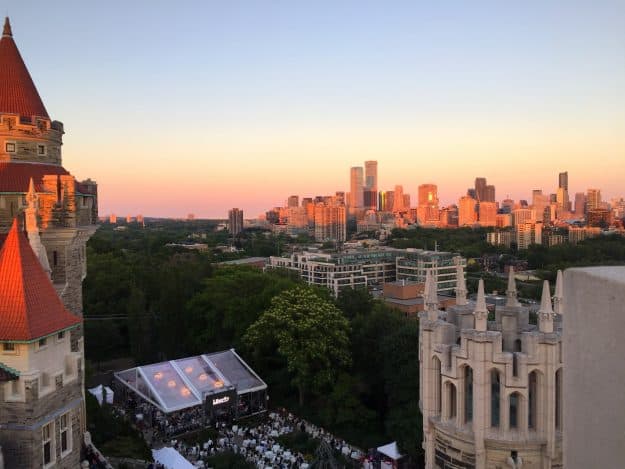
point(200, 106)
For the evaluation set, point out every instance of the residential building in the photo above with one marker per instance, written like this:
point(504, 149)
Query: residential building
point(487, 214)
point(365, 267)
point(356, 195)
point(330, 223)
point(235, 221)
point(467, 215)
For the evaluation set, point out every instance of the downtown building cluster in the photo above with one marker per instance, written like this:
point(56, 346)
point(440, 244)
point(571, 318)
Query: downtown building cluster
point(549, 218)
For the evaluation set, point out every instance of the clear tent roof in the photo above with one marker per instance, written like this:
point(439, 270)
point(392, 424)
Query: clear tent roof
point(183, 383)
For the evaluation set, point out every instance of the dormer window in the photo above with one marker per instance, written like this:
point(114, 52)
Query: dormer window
point(41, 150)
point(9, 147)
point(8, 347)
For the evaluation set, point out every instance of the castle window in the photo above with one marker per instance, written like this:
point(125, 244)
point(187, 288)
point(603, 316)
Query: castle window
point(15, 387)
point(55, 258)
point(41, 150)
point(9, 147)
point(495, 395)
point(515, 365)
point(514, 411)
point(8, 347)
point(451, 409)
point(558, 405)
point(436, 364)
point(66, 434)
point(532, 413)
point(468, 394)
point(47, 432)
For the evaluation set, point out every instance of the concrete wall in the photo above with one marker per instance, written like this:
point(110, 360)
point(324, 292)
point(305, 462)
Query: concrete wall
point(594, 374)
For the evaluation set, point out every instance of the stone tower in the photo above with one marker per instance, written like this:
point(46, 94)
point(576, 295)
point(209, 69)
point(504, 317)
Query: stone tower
point(50, 216)
point(490, 391)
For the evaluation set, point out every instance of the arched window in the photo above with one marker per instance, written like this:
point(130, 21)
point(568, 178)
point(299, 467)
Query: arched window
point(468, 394)
point(559, 399)
point(451, 400)
point(513, 410)
point(495, 395)
point(532, 389)
point(436, 365)
point(515, 365)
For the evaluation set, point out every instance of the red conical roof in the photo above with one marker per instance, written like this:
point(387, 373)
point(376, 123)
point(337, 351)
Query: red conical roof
point(29, 306)
point(18, 94)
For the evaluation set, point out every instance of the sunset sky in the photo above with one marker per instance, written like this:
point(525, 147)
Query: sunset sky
point(200, 106)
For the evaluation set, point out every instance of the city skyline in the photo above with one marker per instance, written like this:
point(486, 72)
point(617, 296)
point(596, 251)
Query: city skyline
point(250, 104)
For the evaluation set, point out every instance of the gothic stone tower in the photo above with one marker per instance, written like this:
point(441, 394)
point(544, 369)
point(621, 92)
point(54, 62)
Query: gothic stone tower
point(41, 272)
point(490, 391)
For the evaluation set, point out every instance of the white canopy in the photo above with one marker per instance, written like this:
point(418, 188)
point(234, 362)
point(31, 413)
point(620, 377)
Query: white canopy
point(171, 459)
point(391, 451)
point(98, 392)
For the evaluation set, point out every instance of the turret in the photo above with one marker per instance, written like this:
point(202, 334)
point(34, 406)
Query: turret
point(431, 296)
point(481, 311)
point(511, 292)
point(559, 293)
point(545, 313)
point(461, 286)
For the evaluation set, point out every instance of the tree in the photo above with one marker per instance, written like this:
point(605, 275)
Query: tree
point(354, 302)
point(310, 333)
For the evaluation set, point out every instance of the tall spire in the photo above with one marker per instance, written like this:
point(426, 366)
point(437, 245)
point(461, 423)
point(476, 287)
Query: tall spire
point(461, 286)
point(511, 291)
point(545, 313)
point(481, 311)
point(6, 32)
point(431, 296)
point(18, 94)
point(559, 294)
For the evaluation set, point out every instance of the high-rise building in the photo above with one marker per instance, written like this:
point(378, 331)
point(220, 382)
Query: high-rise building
point(491, 391)
point(371, 175)
point(466, 211)
point(293, 201)
point(387, 200)
point(235, 221)
point(563, 181)
point(371, 185)
point(487, 213)
point(480, 187)
point(330, 223)
point(427, 209)
point(113, 219)
point(593, 199)
point(398, 200)
point(356, 195)
point(540, 203)
point(42, 420)
point(521, 216)
point(489, 193)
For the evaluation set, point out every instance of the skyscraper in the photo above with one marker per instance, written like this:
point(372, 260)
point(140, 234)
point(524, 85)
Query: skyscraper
point(356, 195)
point(398, 200)
point(387, 199)
point(466, 211)
point(427, 208)
point(371, 175)
point(580, 204)
point(235, 219)
point(593, 199)
point(292, 201)
point(330, 223)
point(563, 180)
point(480, 187)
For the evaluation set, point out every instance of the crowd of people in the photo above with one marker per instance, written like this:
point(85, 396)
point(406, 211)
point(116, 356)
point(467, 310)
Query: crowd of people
point(259, 444)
